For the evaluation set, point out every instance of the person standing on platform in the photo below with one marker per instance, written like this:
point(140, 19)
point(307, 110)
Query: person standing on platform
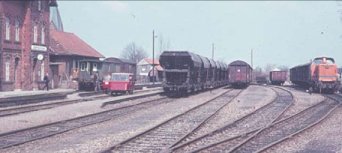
point(46, 81)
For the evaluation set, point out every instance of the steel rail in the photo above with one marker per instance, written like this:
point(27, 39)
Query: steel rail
point(31, 108)
point(226, 127)
point(258, 133)
point(120, 144)
point(204, 121)
point(177, 146)
point(308, 127)
point(22, 136)
point(255, 130)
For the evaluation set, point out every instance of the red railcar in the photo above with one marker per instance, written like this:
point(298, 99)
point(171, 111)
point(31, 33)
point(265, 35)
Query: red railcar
point(239, 74)
point(105, 83)
point(121, 83)
point(278, 77)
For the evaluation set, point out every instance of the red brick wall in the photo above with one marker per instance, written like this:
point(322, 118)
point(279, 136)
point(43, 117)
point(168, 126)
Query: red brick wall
point(28, 15)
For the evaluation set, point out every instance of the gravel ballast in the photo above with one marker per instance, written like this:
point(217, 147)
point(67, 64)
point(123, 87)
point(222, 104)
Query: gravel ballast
point(95, 138)
point(65, 112)
point(248, 101)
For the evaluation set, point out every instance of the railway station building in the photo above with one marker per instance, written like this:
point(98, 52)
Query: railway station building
point(24, 43)
point(71, 58)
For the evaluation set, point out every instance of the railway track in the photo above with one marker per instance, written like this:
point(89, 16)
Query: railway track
point(259, 140)
point(164, 134)
point(49, 105)
point(18, 137)
point(247, 125)
point(37, 107)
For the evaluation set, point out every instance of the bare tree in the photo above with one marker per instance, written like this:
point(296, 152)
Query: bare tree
point(258, 71)
point(133, 52)
point(269, 67)
point(284, 68)
point(163, 44)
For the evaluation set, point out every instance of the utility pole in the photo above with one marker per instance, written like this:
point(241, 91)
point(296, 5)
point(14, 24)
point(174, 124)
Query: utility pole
point(153, 57)
point(252, 58)
point(212, 51)
point(252, 64)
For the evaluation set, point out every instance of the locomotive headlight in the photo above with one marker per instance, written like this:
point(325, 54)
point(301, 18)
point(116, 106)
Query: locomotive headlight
point(106, 83)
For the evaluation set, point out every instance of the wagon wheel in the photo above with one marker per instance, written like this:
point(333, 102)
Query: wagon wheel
point(130, 92)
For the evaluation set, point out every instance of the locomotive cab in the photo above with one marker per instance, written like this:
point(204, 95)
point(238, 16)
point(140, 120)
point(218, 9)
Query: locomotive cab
point(325, 74)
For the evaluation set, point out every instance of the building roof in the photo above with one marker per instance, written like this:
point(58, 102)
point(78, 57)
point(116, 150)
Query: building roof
point(150, 61)
point(64, 43)
point(159, 68)
point(119, 60)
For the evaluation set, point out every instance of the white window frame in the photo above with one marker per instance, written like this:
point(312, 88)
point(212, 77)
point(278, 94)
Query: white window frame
point(17, 31)
point(7, 71)
point(95, 67)
point(83, 66)
point(7, 29)
point(43, 35)
point(35, 34)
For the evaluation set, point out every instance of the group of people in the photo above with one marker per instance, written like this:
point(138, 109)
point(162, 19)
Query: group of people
point(97, 82)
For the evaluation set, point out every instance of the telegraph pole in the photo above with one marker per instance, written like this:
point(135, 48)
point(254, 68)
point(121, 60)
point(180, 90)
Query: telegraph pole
point(252, 58)
point(252, 62)
point(212, 51)
point(153, 57)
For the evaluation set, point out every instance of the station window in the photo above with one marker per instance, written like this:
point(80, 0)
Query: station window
point(7, 70)
point(17, 30)
point(143, 68)
point(43, 35)
point(94, 67)
point(35, 34)
point(83, 66)
point(8, 28)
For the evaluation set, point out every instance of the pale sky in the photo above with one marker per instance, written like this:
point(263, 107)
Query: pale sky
point(282, 33)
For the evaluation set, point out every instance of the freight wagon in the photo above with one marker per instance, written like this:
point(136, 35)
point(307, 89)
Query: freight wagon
point(278, 77)
point(262, 79)
point(186, 72)
point(181, 71)
point(239, 74)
